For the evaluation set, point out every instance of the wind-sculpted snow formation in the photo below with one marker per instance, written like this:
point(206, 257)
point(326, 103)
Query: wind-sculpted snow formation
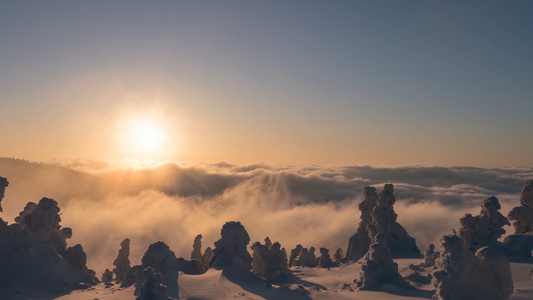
point(36, 247)
point(378, 216)
point(523, 215)
point(486, 228)
point(231, 246)
point(463, 275)
point(378, 268)
point(122, 262)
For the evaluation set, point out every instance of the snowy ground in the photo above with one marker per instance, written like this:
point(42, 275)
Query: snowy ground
point(316, 283)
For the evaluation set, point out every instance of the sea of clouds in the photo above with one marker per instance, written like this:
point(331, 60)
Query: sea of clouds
point(310, 205)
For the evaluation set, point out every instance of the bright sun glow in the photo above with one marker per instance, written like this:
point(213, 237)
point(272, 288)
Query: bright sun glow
point(143, 137)
point(149, 136)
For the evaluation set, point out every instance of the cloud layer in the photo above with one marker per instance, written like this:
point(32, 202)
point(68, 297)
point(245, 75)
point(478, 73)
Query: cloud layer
point(312, 205)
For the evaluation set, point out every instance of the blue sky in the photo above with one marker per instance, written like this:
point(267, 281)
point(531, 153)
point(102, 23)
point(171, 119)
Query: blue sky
point(363, 82)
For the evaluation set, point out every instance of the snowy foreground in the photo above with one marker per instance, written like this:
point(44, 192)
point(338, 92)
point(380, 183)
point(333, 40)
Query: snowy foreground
point(382, 261)
point(317, 283)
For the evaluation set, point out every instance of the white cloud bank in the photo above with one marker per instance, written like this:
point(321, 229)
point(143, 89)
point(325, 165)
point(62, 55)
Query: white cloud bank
point(308, 205)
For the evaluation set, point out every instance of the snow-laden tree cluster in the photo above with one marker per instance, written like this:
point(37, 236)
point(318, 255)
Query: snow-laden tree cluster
point(378, 217)
point(463, 275)
point(34, 254)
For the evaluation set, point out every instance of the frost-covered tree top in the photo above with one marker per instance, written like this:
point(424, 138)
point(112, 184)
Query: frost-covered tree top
point(486, 228)
point(523, 215)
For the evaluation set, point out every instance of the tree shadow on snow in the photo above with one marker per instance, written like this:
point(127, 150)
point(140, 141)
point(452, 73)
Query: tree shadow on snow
point(396, 290)
point(290, 287)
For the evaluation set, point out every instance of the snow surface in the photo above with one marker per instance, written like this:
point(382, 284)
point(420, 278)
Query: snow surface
point(317, 283)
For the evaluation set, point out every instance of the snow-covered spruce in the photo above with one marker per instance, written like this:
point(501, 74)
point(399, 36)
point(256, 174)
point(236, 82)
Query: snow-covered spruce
point(378, 217)
point(151, 287)
point(196, 253)
point(232, 245)
point(461, 275)
point(294, 254)
point(122, 262)
point(208, 255)
point(522, 216)
point(430, 256)
point(324, 261)
point(486, 228)
point(378, 268)
point(360, 241)
point(107, 277)
point(3, 184)
point(338, 256)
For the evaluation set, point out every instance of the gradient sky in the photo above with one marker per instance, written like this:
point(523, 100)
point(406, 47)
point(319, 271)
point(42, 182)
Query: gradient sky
point(288, 82)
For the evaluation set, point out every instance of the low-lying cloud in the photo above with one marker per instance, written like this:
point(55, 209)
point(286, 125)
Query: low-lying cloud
point(309, 205)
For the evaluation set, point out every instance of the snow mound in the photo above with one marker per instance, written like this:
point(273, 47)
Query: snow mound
point(462, 275)
point(486, 228)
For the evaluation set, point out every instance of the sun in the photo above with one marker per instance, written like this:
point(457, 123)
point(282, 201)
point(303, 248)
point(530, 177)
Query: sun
point(143, 137)
point(149, 136)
